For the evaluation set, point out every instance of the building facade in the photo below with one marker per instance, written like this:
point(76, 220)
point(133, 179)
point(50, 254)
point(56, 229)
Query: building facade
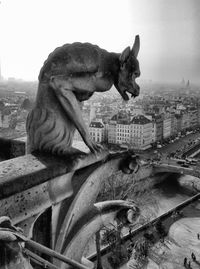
point(193, 117)
point(141, 132)
point(97, 131)
point(167, 125)
point(112, 132)
point(123, 132)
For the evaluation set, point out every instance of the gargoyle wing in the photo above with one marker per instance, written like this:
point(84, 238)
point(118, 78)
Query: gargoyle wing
point(76, 58)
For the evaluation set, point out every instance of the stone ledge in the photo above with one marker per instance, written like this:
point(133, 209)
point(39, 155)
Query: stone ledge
point(22, 173)
point(11, 148)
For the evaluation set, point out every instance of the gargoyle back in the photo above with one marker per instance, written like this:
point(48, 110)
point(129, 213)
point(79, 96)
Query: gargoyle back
point(73, 58)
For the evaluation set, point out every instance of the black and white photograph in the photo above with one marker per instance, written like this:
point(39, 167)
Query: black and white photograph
point(100, 134)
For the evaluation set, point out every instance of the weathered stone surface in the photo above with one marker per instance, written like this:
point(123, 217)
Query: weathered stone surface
point(35, 200)
point(11, 239)
point(32, 183)
point(22, 173)
point(101, 214)
point(11, 148)
point(86, 186)
point(70, 75)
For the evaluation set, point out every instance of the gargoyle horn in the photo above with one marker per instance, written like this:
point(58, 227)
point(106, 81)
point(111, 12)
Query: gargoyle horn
point(136, 46)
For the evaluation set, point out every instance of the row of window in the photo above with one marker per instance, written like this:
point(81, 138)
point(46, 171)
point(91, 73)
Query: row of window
point(122, 139)
point(123, 131)
point(130, 127)
point(98, 136)
point(95, 133)
point(96, 140)
point(134, 134)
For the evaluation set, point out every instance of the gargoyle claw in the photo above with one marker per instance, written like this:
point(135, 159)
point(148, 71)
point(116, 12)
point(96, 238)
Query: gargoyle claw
point(95, 148)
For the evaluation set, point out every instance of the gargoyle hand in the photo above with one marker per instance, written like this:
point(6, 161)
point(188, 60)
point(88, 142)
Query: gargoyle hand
point(94, 147)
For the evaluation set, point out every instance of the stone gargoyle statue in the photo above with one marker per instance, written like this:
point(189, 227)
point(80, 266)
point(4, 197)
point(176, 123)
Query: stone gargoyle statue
point(70, 75)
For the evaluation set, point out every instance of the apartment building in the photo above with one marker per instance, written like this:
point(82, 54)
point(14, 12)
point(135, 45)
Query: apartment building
point(112, 132)
point(185, 120)
point(97, 131)
point(173, 121)
point(157, 126)
point(193, 116)
point(141, 131)
point(167, 125)
point(177, 123)
point(123, 132)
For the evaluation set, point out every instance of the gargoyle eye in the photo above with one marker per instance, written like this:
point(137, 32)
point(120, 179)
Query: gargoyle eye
point(52, 79)
point(137, 73)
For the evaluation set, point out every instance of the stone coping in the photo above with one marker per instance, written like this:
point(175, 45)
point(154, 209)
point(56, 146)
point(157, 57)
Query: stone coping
point(21, 173)
point(11, 148)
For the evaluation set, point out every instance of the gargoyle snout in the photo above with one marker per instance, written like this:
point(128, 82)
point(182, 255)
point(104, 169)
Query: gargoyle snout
point(136, 90)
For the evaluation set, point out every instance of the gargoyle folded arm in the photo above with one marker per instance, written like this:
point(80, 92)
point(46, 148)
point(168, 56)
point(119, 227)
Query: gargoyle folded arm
point(72, 109)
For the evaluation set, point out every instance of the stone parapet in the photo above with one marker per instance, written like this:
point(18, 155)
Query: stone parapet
point(11, 148)
point(33, 183)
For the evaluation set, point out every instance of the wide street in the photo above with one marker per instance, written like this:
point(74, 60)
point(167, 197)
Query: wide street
point(179, 143)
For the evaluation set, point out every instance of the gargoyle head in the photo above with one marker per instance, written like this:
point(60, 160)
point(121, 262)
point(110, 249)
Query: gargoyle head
point(129, 71)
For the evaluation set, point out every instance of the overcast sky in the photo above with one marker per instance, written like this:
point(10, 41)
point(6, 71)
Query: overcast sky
point(169, 32)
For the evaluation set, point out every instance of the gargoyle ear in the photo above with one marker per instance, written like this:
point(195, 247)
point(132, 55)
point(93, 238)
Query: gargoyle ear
point(52, 79)
point(51, 82)
point(136, 46)
point(124, 55)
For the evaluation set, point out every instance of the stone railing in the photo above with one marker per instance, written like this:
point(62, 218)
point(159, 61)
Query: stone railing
point(52, 199)
point(11, 148)
point(169, 168)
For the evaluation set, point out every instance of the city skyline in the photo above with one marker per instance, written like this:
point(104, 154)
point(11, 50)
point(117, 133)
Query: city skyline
point(168, 31)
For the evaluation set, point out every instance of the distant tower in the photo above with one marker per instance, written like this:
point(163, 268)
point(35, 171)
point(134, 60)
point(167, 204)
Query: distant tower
point(187, 87)
point(0, 72)
point(1, 78)
point(183, 82)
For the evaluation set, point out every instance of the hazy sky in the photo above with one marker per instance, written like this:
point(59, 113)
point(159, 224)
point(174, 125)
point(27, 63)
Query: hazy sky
point(169, 32)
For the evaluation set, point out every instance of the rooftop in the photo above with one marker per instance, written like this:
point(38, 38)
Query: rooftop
point(96, 124)
point(140, 119)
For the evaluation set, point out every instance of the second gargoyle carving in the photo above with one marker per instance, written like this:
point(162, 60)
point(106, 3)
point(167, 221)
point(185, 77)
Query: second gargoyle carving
point(70, 75)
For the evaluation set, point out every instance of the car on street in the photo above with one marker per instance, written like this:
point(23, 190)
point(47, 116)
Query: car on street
point(181, 162)
point(185, 165)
